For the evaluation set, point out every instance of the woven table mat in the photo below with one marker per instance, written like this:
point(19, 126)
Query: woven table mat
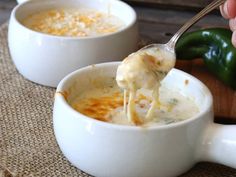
point(27, 143)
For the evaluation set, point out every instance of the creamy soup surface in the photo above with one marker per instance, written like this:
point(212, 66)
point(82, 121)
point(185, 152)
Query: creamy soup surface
point(107, 104)
point(82, 22)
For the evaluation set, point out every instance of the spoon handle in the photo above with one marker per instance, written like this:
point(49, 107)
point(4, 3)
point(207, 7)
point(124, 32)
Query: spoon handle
point(192, 21)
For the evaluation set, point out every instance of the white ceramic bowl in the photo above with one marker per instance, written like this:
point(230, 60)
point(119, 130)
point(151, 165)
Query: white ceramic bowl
point(46, 59)
point(109, 150)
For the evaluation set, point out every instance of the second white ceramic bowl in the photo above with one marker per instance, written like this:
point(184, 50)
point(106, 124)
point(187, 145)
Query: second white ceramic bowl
point(46, 59)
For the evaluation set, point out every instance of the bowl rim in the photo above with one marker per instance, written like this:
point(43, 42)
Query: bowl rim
point(35, 2)
point(77, 115)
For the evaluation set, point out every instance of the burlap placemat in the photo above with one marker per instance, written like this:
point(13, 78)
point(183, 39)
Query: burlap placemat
point(27, 143)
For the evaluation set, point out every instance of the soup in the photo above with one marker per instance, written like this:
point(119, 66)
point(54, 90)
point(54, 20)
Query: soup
point(106, 103)
point(81, 22)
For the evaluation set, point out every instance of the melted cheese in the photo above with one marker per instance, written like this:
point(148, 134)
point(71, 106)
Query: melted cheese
point(144, 69)
point(107, 104)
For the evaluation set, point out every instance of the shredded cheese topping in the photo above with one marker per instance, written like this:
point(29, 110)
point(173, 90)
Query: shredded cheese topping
point(73, 22)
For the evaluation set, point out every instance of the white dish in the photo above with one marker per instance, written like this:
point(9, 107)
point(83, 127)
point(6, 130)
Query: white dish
point(46, 59)
point(105, 150)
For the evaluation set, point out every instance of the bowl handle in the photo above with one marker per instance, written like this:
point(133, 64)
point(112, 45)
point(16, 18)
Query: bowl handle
point(219, 145)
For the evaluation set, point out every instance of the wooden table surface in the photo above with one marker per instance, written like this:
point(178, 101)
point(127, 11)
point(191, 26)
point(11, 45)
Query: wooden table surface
point(158, 24)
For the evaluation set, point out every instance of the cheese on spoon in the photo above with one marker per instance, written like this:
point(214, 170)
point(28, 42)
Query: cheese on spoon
point(143, 69)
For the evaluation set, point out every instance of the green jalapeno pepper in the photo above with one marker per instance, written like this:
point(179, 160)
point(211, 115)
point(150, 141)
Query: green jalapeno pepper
point(215, 47)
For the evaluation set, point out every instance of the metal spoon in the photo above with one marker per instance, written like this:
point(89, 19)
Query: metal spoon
point(170, 46)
